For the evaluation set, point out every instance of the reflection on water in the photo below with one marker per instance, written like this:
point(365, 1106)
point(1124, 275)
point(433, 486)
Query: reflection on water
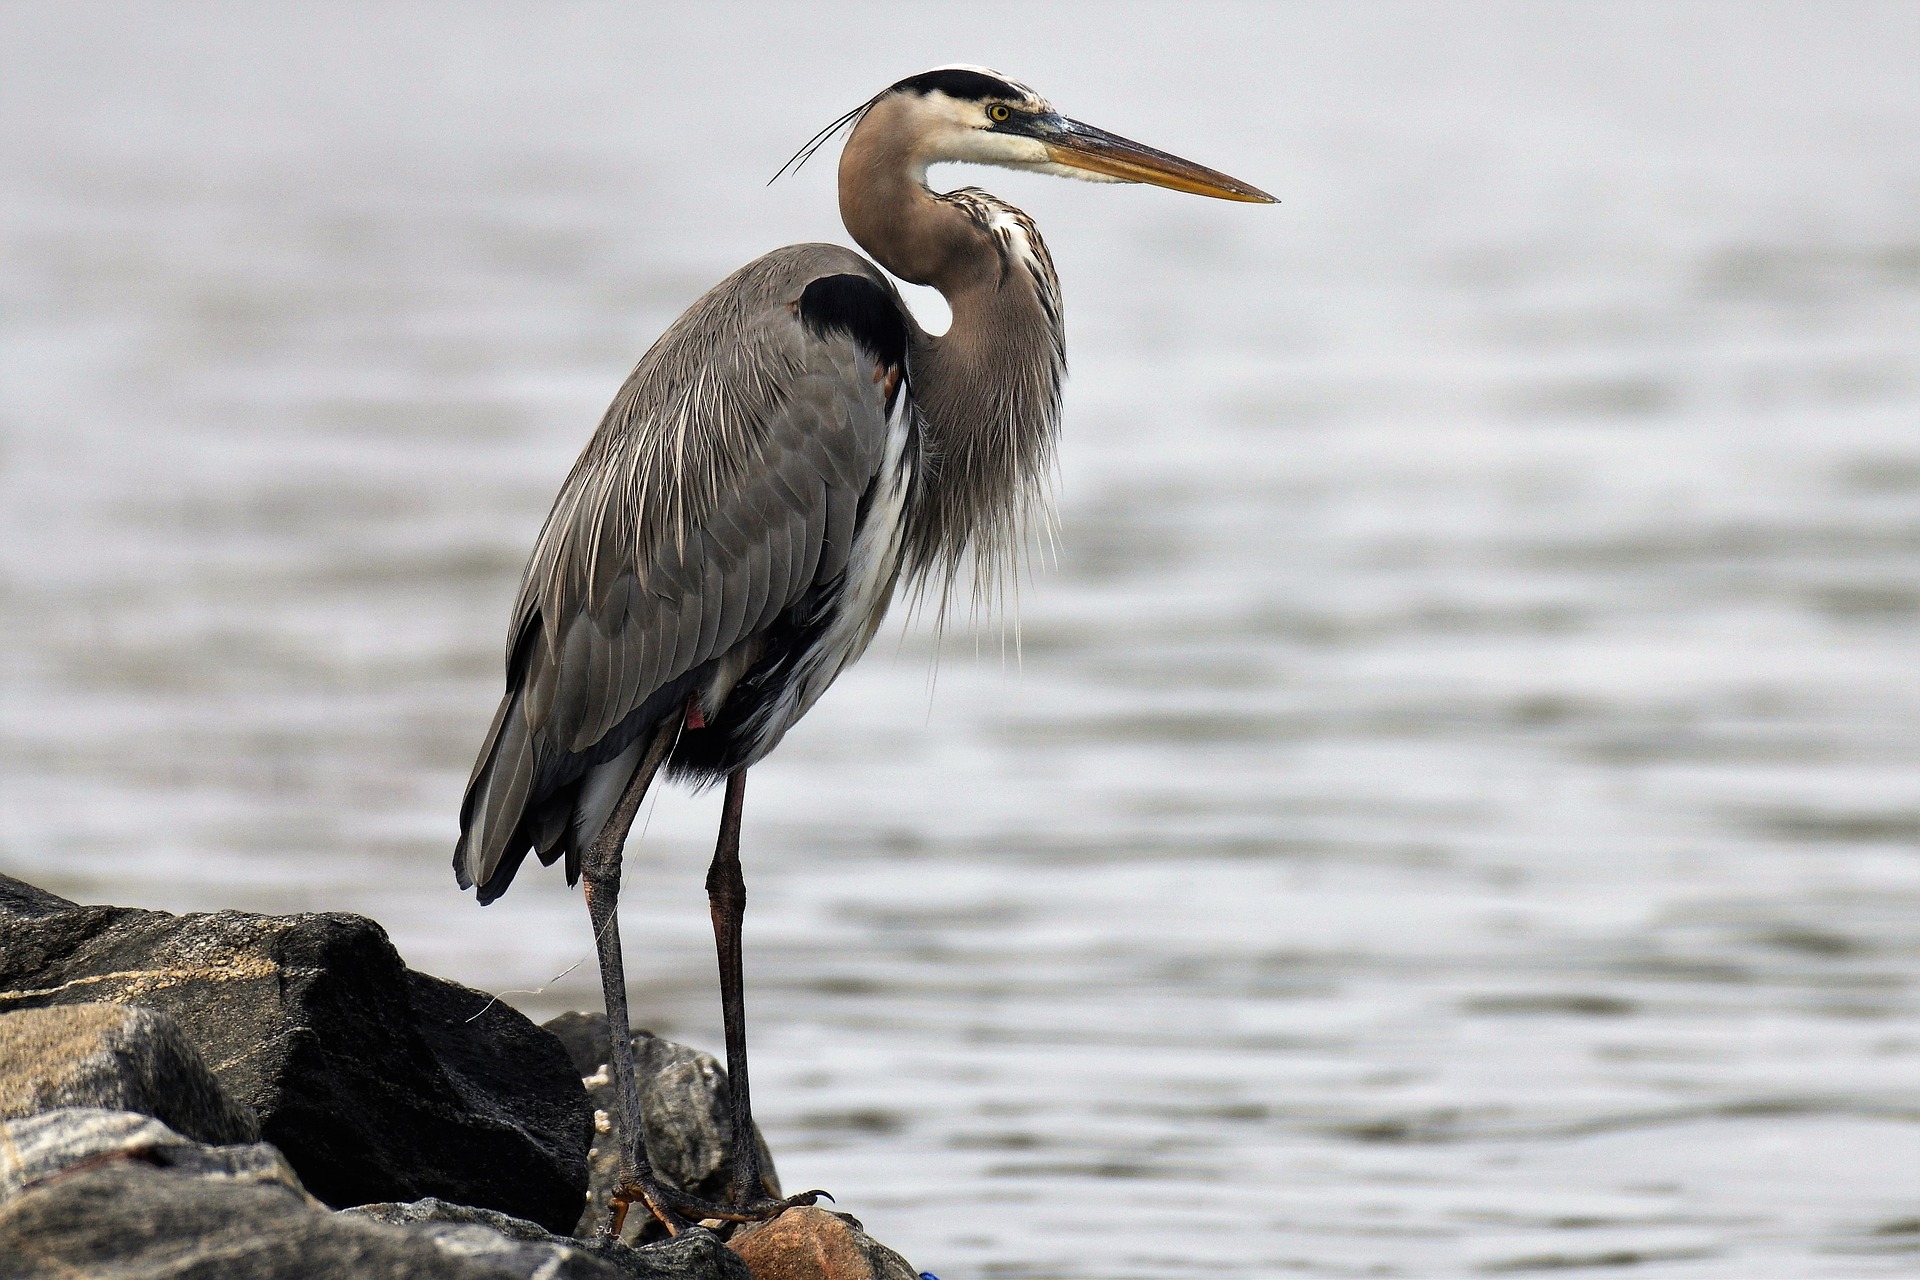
point(1455, 807)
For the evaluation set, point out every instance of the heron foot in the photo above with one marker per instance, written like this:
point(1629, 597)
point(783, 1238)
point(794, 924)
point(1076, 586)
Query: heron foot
point(676, 1210)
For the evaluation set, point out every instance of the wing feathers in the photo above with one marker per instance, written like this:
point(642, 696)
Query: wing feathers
point(712, 597)
point(722, 484)
point(482, 857)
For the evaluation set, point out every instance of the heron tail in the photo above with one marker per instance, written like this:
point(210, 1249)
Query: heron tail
point(493, 834)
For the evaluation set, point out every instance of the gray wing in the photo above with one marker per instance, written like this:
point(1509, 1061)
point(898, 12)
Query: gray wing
point(724, 481)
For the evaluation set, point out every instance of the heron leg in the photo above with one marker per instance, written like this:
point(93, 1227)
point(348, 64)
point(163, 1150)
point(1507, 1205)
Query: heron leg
point(727, 901)
point(600, 875)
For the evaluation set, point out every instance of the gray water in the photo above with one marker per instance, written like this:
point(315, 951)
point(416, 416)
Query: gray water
point(1452, 805)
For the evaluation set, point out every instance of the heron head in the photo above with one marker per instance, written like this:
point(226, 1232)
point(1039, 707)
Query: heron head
point(973, 115)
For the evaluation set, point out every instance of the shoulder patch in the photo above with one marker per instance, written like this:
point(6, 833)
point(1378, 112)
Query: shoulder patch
point(861, 309)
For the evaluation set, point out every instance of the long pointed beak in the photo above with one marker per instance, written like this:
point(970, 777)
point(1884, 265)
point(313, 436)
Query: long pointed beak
point(1081, 146)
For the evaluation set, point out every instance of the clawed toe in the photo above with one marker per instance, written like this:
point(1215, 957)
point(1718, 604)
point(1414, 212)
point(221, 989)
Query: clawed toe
point(676, 1210)
point(658, 1200)
point(761, 1210)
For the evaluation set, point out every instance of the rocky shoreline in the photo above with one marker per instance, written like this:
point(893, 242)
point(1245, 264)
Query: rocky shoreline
point(280, 1096)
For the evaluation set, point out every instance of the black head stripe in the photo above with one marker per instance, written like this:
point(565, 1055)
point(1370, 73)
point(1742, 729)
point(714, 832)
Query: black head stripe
point(861, 309)
point(958, 83)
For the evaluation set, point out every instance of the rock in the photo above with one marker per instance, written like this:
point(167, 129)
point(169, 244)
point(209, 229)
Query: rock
point(815, 1244)
point(684, 1107)
point(130, 1221)
point(119, 1057)
point(117, 1196)
point(523, 1249)
point(46, 1147)
point(18, 898)
point(378, 1083)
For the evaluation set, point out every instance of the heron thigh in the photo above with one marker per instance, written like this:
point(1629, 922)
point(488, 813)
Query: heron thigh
point(600, 791)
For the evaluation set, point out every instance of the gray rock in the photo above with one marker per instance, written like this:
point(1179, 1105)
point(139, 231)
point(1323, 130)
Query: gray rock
point(44, 1147)
point(525, 1250)
point(119, 1057)
point(684, 1106)
point(378, 1083)
point(110, 1195)
point(25, 901)
point(129, 1221)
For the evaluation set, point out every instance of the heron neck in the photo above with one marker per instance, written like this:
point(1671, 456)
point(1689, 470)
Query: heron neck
point(888, 209)
point(988, 389)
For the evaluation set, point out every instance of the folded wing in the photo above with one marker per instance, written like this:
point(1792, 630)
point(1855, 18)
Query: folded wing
point(724, 483)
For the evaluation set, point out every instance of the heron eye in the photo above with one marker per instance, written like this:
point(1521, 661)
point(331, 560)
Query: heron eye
point(998, 114)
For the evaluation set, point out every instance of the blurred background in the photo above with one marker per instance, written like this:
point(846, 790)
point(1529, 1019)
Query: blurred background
point(1453, 805)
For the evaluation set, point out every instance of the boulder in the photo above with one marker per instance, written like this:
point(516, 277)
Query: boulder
point(684, 1107)
point(26, 901)
point(110, 1194)
point(378, 1083)
point(117, 1057)
point(815, 1244)
point(525, 1250)
point(50, 1147)
point(119, 1196)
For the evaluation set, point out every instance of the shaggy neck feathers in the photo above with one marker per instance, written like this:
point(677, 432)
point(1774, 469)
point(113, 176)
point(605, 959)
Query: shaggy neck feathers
point(989, 388)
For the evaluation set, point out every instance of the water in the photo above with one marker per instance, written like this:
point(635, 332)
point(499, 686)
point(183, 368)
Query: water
point(1454, 808)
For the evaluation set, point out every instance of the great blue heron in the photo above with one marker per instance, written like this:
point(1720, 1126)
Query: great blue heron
point(788, 451)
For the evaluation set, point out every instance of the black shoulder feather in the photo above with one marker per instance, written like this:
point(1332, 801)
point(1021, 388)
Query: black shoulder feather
point(861, 308)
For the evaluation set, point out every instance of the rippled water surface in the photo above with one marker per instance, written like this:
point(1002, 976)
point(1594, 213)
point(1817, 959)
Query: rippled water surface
point(1455, 805)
